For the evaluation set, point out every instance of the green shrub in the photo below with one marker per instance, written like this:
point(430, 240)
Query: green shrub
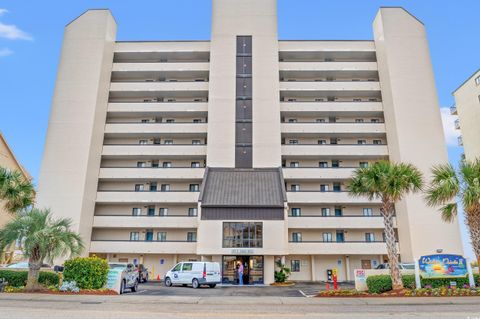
point(382, 283)
point(88, 272)
point(19, 278)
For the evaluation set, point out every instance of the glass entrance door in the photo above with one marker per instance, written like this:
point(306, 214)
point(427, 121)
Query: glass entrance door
point(252, 269)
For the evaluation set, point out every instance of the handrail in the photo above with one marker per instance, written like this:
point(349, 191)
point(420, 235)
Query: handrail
point(342, 216)
point(151, 167)
point(303, 144)
point(144, 240)
point(109, 144)
point(302, 122)
point(183, 122)
point(338, 242)
point(170, 215)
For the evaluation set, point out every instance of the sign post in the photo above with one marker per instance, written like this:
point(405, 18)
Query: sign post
point(471, 280)
point(418, 282)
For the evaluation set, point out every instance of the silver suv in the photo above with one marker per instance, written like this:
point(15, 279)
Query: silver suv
point(129, 277)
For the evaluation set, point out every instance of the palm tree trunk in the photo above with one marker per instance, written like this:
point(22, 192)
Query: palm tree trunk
point(473, 222)
point(34, 265)
point(390, 240)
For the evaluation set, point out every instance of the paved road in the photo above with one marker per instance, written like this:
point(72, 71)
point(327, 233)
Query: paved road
point(298, 290)
point(24, 306)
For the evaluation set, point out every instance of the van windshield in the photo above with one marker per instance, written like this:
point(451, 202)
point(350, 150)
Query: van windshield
point(177, 267)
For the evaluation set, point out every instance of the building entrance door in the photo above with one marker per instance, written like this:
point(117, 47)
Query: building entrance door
point(252, 269)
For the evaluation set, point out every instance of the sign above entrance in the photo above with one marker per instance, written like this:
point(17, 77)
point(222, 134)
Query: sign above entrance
point(239, 251)
point(442, 266)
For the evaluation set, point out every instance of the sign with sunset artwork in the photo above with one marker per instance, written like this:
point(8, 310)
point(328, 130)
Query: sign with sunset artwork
point(442, 266)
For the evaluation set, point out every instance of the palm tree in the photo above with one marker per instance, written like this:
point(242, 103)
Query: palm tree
point(16, 191)
point(448, 184)
point(389, 182)
point(43, 239)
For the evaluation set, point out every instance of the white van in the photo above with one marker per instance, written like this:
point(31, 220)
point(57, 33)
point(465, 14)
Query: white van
point(194, 273)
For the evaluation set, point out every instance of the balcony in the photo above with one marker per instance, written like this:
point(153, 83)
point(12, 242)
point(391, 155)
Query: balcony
point(453, 110)
point(158, 86)
point(331, 87)
point(337, 248)
point(161, 67)
point(457, 124)
point(333, 128)
point(327, 173)
point(331, 107)
point(139, 151)
point(141, 173)
point(122, 221)
point(460, 141)
point(143, 247)
point(344, 150)
point(156, 128)
point(330, 197)
point(147, 108)
point(146, 197)
point(327, 66)
point(336, 222)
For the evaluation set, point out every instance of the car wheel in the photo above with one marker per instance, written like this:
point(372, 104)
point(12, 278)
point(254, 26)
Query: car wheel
point(168, 282)
point(135, 286)
point(195, 283)
point(212, 285)
point(122, 287)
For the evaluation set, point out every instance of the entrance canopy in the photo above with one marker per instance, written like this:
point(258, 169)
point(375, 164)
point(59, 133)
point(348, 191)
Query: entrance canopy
point(233, 193)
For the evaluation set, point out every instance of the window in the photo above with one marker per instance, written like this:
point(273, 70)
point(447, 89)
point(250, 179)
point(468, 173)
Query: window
point(151, 211)
point(294, 164)
point(319, 100)
point(375, 121)
point(170, 120)
point(136, 211)
point(377, 142)
point(167, 164)
point(192, 211)
point(327, 237)
point(358, 120)
point(195, 164)
point(357, 100)
point(143, 142)
point(361, 142)
point(324, 188)
point(134, 235)
point(296, 212)
point(139, 187)
point(332, 119)
point(477, 80)
point(155, 164)
point(168, 142)
point(163, 211)
point(242, 235)
point(141, 164)
point(338, 211)
point(322, 164)
point(165, 188)
point(295, 188)
point(335, 163)
point(369, 237)
point(331, 99)
point(363, 164)
point(191, 236)
point(149, 235)
point(162, 236)
point(153, 187)
point(340, 236)
point(320, 120)
point(196, 142)
point(156, 141)
point(325, 212)
point(337, 187)
point(292, 120)
point(296, 237)
point(295, 266)
point(367, 212)
point(197, 121)
point(187, 267)
point(293, 142)
point(334, 140)
point(194, 187)
point(145, 120)
point(322, 142)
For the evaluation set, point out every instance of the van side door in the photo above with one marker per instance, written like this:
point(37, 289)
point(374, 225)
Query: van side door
point(186, 273)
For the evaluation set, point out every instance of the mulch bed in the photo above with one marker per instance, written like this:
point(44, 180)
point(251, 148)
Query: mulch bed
point(283, 284)
point(82, 292)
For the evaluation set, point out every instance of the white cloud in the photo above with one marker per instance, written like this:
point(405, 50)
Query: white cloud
point(11, 31)
point(5, 52)
point(451, 134)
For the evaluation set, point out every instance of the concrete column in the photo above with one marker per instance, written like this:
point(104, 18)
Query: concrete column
point(175, 259)
point(71, 160)
point(312, 267)
point(268, 269)
point(347, 267)
point(413, 126)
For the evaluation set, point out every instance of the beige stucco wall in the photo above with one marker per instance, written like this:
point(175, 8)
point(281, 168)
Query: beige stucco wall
point(69, 171)
point(414, 127)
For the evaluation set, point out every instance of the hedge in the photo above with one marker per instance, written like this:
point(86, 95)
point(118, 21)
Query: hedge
point(88, 272)
point(382, 283)
point(19, 278)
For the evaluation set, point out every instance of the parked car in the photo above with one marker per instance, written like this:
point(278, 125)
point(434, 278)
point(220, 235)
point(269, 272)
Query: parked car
point(409, 266)
point(142, 273)
point(195, 273)
point(129, 277)
point(24, 265)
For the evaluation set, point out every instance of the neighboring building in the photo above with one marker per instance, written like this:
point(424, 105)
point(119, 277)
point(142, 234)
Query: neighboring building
point(239, 148)
point(8, 160)
point(467, 107)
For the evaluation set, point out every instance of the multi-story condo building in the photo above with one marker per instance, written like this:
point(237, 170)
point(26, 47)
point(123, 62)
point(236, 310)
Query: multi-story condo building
point(467, 107)
point(240, 148)
point(9, 161)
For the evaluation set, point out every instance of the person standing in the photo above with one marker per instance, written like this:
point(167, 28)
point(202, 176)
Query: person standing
point(240, 274)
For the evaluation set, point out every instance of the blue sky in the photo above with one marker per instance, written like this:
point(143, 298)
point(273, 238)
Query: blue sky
point(31, 36)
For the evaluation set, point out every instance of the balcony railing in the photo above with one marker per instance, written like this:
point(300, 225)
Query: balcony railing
point(457, 124)
point(336, 242)
point(335, 216)
point(460, 141)
point(453, 110)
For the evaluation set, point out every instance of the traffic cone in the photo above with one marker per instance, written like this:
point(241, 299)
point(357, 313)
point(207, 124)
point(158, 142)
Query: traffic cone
point(158, 277)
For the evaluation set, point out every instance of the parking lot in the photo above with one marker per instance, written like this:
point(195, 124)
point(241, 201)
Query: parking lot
point(307, 289)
